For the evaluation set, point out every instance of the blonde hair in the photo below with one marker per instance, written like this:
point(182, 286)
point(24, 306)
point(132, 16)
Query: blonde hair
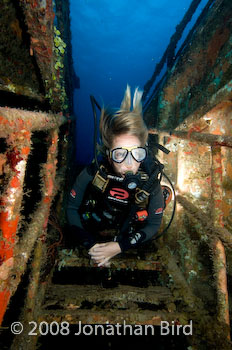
point(124, 121)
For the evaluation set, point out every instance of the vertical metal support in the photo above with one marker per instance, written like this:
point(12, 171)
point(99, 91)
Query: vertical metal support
point(50, 167)
point(26, 341)
point(219, 259)
point(32, 303)
point(38, 226)
point(20, 143)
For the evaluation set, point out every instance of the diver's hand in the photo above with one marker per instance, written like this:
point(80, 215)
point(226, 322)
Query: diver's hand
point(101, 253)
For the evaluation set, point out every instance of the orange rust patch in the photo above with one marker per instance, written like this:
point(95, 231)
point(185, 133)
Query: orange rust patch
point(25, 150)
point(229, 170)
point(4, 299)
point(195, 128)
point(47, 199)
point(49, 166)
point(226, 209)
point(15, 182)
point(8, 227)
point(216, 131)
point(218, 170)
point(218, 203)
point(27, 134)
point(2, 120)
point(218, 160)
point(221, 220)
point(191, 144)
point(2, 162)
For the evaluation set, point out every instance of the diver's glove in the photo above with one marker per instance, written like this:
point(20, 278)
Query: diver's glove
point(131, 241)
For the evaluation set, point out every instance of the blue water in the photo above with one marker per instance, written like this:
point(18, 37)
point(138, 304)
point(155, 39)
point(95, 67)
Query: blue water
point(117, 42)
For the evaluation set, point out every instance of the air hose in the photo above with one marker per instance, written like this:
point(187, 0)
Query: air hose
point(94, 102)
point(173, 210)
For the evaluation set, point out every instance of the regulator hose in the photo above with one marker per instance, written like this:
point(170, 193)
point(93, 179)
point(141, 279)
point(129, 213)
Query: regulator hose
point(173, 210)
point(94, 102)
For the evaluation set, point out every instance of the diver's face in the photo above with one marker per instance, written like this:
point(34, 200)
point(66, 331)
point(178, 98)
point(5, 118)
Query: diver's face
point(129, 164)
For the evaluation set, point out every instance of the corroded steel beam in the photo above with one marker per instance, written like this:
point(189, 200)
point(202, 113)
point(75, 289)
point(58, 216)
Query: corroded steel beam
point(219, 262)
point(111, 316)
point(219, 256)
point(201, 78)
point(116, 263)
point(28, 313)
point(24, 91)
point(208, 225)
point(13, 120)
point(10, 210)
point(39, 18)
point(23, 250)
point(48, 48)
point(72, 296)
point(195, 308)
point(185, 291)
point(214, 140)
point(36, 229)
point(169, 55)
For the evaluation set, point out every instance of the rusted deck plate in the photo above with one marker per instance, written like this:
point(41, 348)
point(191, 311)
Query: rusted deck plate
point(130, 263)
point(112, 317)
point(73, 297)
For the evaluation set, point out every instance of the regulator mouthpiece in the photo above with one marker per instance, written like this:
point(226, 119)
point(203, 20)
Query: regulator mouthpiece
point(131, 181)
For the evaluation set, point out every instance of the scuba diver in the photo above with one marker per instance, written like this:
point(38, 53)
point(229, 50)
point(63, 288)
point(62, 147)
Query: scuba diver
point(118, 204)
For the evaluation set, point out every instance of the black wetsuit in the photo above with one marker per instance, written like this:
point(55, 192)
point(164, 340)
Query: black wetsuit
point(92, 213)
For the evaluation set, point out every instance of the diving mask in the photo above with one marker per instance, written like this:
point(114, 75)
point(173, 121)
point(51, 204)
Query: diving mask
point(119, 154)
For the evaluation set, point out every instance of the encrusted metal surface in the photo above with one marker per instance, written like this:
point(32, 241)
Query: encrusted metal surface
point(112, 317)
point(201, 78)
point(75, 296)
point(77, 259)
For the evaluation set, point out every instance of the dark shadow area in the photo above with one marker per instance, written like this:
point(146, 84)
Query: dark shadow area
point(12, 100)
point(13, 312)
point(116, 341)
point(105, 277)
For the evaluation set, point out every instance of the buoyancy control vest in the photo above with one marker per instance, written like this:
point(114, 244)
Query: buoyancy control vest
point(109, 200)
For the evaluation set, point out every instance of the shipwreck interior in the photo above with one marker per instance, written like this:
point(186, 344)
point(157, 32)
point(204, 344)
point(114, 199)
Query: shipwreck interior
point(183, 277)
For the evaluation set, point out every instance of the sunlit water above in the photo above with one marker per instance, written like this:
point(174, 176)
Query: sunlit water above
point(115, 43)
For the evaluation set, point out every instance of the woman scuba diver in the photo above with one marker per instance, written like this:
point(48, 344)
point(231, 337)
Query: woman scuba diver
point(118, 204)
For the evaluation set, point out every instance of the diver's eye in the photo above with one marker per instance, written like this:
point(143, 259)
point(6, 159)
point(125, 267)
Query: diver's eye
point(118, 155)
point(139, 154)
